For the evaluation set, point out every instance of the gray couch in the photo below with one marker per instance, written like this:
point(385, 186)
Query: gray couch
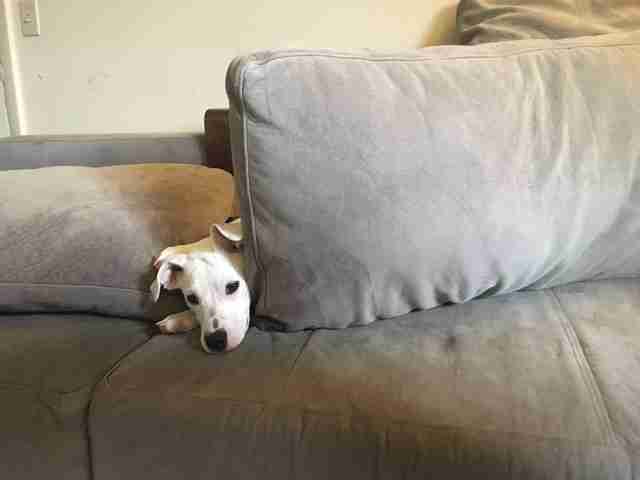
point(537, 382)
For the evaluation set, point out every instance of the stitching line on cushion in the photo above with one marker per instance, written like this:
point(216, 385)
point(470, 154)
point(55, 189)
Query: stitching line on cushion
point(116, 365)
point(245, 146)
point(32, 388)
point(92, 397)
point(107, 138)
point(585, 367)
point(310, 54)
point(300, 352)
point(74, 285)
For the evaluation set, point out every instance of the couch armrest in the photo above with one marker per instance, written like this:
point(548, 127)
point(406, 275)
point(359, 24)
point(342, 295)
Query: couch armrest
point(32, 151)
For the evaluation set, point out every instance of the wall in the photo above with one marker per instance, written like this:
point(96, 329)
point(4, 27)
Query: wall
point(155, 66)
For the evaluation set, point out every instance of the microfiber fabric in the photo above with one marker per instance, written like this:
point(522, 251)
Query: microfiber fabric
point(376, 183)
point(482, 21)
point(82, 239)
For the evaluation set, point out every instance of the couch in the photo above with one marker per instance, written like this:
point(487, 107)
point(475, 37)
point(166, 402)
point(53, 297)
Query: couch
point(517, 379)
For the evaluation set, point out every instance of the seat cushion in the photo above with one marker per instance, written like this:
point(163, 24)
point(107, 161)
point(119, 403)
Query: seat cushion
point(606, 317)
point(50, 364)
point(496, 388)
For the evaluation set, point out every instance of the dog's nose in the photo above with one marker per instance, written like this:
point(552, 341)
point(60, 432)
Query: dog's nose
point(216, 341)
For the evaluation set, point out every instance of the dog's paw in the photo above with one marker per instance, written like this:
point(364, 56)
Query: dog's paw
point(163, 326)
point(177, 323)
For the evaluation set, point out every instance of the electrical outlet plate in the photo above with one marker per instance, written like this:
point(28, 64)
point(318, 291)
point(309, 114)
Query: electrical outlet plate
point(29, 18)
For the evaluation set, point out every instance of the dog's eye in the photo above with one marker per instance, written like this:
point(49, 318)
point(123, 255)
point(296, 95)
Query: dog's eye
point(232, 287)
point(193, 299)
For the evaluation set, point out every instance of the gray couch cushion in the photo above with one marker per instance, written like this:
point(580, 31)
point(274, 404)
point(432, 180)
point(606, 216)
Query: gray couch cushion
point(50, 364)
point(82, 239)
point(605, 316)
point(481, 21)
point(496, 388)
point(372, 184)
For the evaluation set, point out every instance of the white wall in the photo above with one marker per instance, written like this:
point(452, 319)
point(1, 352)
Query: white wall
point(156, 65)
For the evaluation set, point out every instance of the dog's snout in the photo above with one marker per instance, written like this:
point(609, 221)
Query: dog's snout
point(216, 341)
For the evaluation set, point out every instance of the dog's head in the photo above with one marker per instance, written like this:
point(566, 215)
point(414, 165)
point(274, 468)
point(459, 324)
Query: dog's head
point(209, 274)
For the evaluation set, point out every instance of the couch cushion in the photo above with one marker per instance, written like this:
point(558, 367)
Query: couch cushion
point(82, 239)
point(495, 388)
point(482, 21)
point(50, 364)
point(606, 318)
point(405, 181)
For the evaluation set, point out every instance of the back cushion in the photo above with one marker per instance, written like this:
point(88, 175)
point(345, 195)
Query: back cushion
point(373, 184)
point(81, 239)
point(482, 21)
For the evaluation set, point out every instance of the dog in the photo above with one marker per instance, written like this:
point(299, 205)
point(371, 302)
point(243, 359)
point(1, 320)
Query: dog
point(209, 274)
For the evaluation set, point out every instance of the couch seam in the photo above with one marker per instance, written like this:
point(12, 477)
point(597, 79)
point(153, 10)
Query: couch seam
point(300, 352)
point(245, 153)
point(426, 58)
point(73, 285)
point(92, 397)
point(107, 138)
point(585, 368)
point(33, 388)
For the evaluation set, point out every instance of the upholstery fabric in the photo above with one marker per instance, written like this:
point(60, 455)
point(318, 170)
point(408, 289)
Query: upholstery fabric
point(482, 21)
point(37, 151)
point(605, 316)
point(50, 365)
point(83, 239)
point(373, 184)
point(499, 388)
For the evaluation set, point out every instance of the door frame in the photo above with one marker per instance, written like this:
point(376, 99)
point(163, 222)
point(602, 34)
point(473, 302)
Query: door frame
point(10, 65)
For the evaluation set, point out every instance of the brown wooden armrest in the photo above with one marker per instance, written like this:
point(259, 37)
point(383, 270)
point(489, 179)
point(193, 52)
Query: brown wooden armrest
point(216, 129)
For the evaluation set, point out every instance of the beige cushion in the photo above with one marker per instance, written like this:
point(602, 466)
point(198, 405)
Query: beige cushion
point(483, 21)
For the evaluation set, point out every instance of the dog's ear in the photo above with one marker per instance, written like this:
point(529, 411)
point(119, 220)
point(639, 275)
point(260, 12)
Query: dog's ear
point(230, 232)
point(169, 267)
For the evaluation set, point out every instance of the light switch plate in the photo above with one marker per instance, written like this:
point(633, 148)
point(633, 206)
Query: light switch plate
point(29, 18)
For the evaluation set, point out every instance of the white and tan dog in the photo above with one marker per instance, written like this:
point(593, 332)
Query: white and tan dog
point(209, 273)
